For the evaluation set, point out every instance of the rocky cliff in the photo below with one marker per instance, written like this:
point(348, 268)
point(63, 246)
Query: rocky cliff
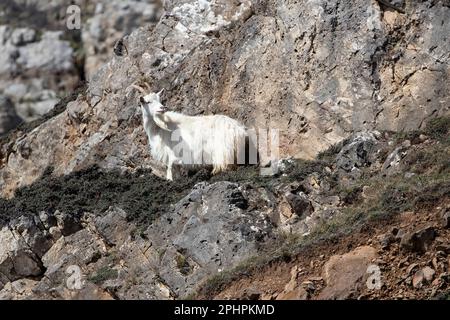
point(42, 59)
point(84, 214)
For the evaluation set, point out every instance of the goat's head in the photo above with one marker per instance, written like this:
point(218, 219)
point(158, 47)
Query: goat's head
point(150, 102)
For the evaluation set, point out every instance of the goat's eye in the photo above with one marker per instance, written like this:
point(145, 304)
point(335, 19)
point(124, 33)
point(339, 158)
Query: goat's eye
point(142, 100)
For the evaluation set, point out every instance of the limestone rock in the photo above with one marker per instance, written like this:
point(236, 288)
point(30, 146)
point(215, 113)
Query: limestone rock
point(357, 151)
point(343, 274)
point(18, 290)
point(16, 259)
point(208, 231)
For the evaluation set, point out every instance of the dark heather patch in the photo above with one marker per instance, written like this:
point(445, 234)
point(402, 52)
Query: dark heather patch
point(141, 194)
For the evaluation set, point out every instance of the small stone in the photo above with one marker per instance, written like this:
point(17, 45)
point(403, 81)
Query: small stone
point(409, 175)
point(368, 192)
point(428, 274)
point(385, 240)
point(443, 248)
point(47, 220)
point(297, 294)
point(418, 241)
point(406, 144)
point(316, 279)
point(436, 282)
point(267, 296)
point(434, 262)
point(446, 219)
point(423, 137)
point(380, 262)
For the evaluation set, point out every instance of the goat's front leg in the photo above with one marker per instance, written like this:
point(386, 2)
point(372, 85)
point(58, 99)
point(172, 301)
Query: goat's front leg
point(169, 174)
point(172, 160)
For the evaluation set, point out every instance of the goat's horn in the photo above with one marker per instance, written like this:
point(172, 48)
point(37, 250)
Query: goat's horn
point(140, 89)
point(147, 85)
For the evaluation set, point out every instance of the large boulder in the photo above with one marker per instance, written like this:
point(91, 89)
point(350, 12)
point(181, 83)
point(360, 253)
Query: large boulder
point(16, 258)
point(207, 232)
point(346, 274)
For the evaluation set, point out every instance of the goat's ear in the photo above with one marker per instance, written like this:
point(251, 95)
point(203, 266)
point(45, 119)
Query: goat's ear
point(160, 93)
point(142, 100)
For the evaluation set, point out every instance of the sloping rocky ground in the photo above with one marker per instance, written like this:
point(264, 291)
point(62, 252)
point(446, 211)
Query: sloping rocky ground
point(394, 217)
point(84, 214)
point(137, 236)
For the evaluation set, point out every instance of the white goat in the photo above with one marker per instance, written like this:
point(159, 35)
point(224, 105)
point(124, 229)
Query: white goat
point(175, 138)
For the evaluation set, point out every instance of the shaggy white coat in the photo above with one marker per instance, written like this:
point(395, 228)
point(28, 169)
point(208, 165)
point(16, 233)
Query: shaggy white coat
point(175, 138)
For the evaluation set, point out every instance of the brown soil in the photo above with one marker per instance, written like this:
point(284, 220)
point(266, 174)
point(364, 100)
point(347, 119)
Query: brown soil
point(394, 262)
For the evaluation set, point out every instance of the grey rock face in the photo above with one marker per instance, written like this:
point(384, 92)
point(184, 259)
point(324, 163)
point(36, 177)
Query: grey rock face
point(17, 258)
point(49, 54)
point(30, 66)
point(357, 152)
point(208, 231)
point(316, 82)
point(111, 21)
point(41, 59)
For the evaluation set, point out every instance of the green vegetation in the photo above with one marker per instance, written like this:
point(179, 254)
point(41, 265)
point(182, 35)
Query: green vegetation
point(182, 264)
point(141, 194)
point(438, 128)
point(103, 274)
